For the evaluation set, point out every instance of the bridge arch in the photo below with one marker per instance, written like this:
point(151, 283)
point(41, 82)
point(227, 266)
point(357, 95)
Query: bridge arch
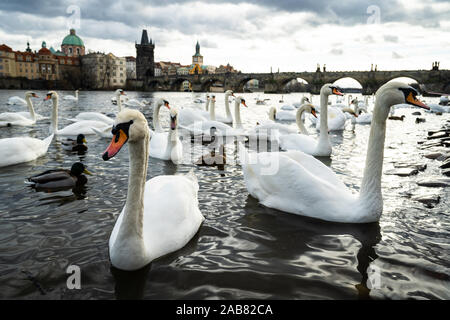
point(294, 84)
point(176, 84)
point(240, 84)
point(349, 84)
point(207, 83)
point(155, 84)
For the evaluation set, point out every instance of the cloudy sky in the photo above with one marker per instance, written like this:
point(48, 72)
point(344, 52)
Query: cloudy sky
point(289, 35)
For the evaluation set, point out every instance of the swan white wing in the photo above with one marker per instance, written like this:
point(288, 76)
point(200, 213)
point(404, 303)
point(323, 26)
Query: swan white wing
point(158, 145)
point(27, 115)
point(302, 185)
point(287, 107)
point(204, 127)
point(364, 118)
point(171, 214)
point(285, 115)
point(96, 116)
point(302, 142)
point(84, 127)
point(188, 116)
point(16, 100)
point(14, 119)
point(69, 97)
point(22, 149)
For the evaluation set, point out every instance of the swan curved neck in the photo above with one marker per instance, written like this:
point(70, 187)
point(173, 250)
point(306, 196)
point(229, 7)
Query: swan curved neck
point(54, 122)
point(298, 119)
point(371, 183)
point(212, 111)
point(131, 228)
point(227, 106)
point(324, 139)
point(119, 101)
point(207, 104)
point(30, 108)
point(156, 124)
point(237, 123)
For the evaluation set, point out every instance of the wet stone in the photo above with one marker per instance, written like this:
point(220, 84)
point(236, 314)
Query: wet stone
point(434, 182)
point(413, 166)
point(402, 172)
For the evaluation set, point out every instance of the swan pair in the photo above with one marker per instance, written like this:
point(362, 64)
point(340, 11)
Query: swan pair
point(316, 147)
point(305, 186)
point(286, 114)
point(166, 145)
point(272, 131)
point(74, 129)
point(21, 118)
point(189, 116)
point(204, 127)
point(160, 215)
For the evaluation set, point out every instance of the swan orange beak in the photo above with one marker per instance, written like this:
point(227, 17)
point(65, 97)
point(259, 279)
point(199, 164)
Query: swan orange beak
point(47, 97)
point(337, 92)
point(243, 102)
point(117, 142)
point(166, 104)
point(313, 112)
point(123, 93)
point(411, 99)
point(35, 95)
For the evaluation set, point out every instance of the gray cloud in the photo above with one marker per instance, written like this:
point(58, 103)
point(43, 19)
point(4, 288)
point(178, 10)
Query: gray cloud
point(206, 43)
point(390, 38)
point(336, 52)
point(395, 55)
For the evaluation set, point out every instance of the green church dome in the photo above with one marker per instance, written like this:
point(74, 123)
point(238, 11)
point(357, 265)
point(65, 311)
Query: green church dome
point(72, 39)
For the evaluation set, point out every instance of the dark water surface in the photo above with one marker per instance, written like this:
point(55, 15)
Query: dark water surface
point(242, 250)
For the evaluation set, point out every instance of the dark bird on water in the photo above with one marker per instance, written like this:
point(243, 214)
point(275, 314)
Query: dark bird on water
point(397, 118)
point(75, 145)
point(60, 179)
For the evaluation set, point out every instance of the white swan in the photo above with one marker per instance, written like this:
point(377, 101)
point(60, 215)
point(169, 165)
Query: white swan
point(336, 119)
point(305, 186)
point(272, 130)
point(188, 116)
point(74, 129)
point(134, 103)
point(228, 118)
point(204, 127)
point(22, 149)
point(161, 215)
point(16, 100)
point(167, 145)
point(72, 98)
point(310, 145)
point(21, 118)
point(97, 116)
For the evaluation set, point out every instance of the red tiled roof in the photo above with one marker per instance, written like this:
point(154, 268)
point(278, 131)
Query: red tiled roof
point(4, 47)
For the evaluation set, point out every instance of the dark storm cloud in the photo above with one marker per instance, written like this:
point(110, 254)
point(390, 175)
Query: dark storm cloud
point(132, 15)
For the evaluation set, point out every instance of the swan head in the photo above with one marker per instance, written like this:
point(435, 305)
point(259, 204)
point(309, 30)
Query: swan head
point(213, 99)
point(329, 89)
point(51, 95)
point(393, 93)
point(313, 111)
point(130, 126)
point(173, 118)
point(119, 92)
point(229, 93)
point(163, 102)
point(240, 100)
point(272, 113)
point(31, 94)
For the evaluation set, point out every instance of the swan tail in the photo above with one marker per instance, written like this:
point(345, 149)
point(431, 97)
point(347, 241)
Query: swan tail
point(48, 140)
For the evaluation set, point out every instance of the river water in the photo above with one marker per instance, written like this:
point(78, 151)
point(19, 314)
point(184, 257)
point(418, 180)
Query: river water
point(243, 250)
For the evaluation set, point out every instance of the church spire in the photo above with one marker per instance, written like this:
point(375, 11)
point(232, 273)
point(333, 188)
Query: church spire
point(197, 48)
point(144, 38)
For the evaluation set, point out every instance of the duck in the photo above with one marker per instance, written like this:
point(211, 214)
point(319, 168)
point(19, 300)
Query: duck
point(160, 215)
point(74, 129)
point(75, 145)
point(60, 179)
point(397, 117)
point(22, 149)
point(23, 119)
point(167, 145)
point(302, 185)
point(320, 147)
point(213, 159)
point(204, 127)
point(72, 98)
point(97, 116)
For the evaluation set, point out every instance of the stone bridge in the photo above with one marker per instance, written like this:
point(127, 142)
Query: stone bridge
point(431, 80)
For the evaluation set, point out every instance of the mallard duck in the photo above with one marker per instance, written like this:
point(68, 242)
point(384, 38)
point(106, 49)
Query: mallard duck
point(213, 159)
point(75, 145)
point(397, 118)
point(60, 179)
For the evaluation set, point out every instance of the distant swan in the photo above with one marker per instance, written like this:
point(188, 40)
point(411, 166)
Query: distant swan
point(72, 98)
point(21, 118)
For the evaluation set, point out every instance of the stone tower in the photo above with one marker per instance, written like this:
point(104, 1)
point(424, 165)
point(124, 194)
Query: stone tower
point(145, 61)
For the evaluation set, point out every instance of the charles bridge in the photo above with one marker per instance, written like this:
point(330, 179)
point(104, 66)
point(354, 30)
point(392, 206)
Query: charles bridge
point(434, 80)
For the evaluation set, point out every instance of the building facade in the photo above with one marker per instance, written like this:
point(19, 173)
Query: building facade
point(7, 61)
point(103, 71)
point(131, 67)
point(145, 61)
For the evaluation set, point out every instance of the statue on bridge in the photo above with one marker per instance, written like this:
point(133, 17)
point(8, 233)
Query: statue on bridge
point(435, 65)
